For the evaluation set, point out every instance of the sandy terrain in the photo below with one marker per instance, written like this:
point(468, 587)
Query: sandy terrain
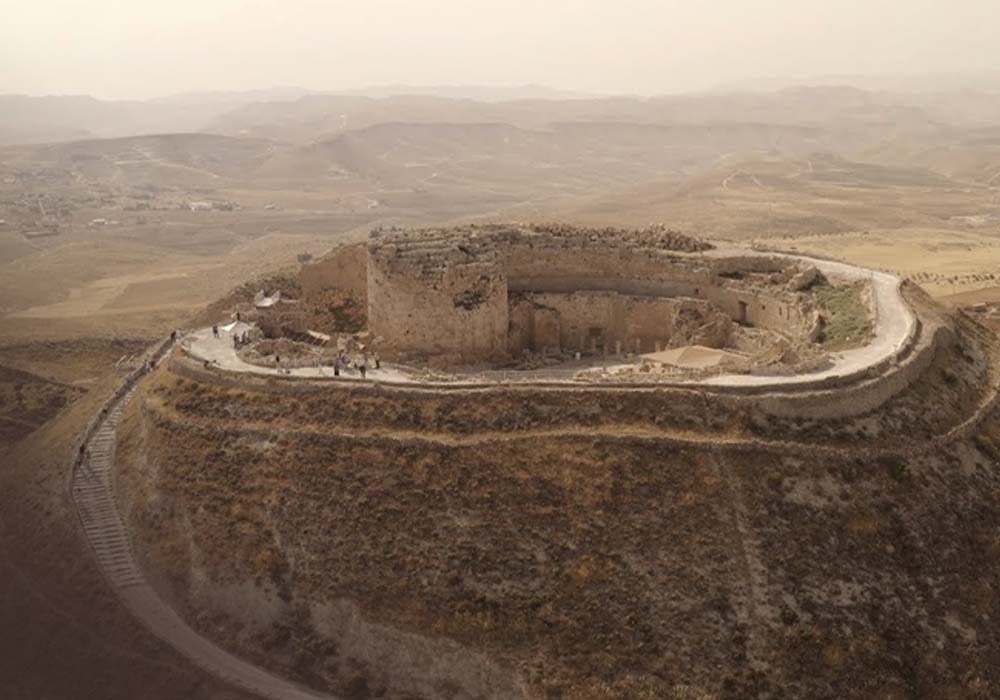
point(944, 262)
point(691, 356)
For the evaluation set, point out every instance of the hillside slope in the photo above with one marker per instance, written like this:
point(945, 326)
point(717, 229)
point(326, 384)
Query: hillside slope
point(589, 544)
point(66, 636)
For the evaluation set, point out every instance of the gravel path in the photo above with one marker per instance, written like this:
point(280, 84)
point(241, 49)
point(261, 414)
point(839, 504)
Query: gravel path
point(892, 329)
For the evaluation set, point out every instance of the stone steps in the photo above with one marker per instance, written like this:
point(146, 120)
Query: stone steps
point(107, 535)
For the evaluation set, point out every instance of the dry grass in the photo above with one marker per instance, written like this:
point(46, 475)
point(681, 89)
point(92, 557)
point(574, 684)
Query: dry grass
point(847, 317)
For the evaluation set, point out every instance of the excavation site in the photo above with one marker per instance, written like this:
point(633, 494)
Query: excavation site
point(546, 461)
point(558, 303)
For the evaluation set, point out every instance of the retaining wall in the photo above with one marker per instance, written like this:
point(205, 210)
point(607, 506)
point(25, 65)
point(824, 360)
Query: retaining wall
point(647, 273)
point(590, 320)
point(863, 396)
point(832, 397)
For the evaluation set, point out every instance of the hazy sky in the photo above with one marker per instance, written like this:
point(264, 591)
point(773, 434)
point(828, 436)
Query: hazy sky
point(144, 48)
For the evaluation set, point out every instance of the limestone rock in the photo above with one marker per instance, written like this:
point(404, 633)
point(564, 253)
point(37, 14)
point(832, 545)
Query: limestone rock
point(714, 334)
point(804, 280)
point(816, 327)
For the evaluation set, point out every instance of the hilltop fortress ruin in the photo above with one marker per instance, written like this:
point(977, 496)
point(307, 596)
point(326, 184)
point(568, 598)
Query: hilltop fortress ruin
point(473, 306)
point(592, 463)
point(491, 294)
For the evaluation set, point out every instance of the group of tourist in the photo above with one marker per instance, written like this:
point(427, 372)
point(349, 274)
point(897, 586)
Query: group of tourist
point(342, 362)
point(239, 340)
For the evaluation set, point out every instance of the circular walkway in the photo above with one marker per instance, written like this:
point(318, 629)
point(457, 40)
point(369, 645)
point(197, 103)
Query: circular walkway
point(893, 329)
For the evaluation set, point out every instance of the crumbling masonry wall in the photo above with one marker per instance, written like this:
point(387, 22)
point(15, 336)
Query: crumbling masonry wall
point(455, 312)
point(438, 293)
point(592, 321)
point(345, 268)
point(444, 293)
point(649, 273)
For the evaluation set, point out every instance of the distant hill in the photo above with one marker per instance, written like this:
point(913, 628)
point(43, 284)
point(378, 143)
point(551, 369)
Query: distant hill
point(315, 117)
point(28, 119)
point(233, 98)
point(191, 160)
point(970, 155)
point(815, 194)
point(914, 83)
point(25, 119)
point(480, 93)
point(298, 115)
point(565, 154)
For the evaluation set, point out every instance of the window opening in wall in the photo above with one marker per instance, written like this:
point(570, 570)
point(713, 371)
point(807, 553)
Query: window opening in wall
point(743, 312)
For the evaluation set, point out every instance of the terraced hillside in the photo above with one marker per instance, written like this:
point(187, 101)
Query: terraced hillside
point(579, 543)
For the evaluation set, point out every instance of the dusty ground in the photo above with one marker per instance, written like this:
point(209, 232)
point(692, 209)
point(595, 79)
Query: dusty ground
point(943, 234)
point(944, 262)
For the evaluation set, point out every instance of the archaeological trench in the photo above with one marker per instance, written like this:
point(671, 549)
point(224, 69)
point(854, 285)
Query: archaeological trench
point(581, 464)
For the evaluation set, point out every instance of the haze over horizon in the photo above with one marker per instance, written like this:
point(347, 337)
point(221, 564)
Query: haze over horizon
point(139, 50)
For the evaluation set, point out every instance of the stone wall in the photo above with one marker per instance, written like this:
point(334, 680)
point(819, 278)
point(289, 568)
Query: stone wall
point(457, 313)
point(759, 264)
point(595, 321)
point(835, 397)
point(344, 268)
point(653, 274)
point(442, 294)
point(862, 395)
